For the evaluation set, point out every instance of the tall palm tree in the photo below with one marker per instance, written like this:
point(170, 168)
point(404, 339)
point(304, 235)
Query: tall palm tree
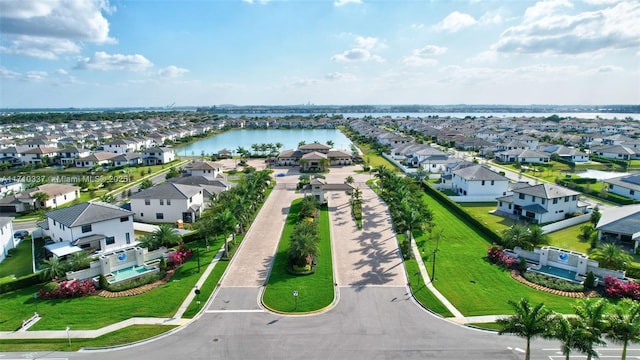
point(52, 268)
point(571, 334)
point(225, 225)
point(78, 260)
point(348, 180)
point(591, 315)
point(611, 256)
point(624, 324)
point(304, 245)
point(527, 322)
point(330, 143)
point(41, 198)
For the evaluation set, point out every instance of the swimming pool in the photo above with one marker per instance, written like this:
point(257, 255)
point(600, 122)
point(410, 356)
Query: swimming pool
point(129, 273)
point(557, 273)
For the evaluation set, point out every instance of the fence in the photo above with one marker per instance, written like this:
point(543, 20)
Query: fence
point(559, 225)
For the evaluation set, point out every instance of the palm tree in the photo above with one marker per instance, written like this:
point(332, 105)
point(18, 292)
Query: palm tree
point(149, 242)
point(611, 256)
point(348, 180)
point(301, 143)
point(585, 232)
point(595, 216)
point(624, 324)
point(78, 260)
point(52, 268)
point(304, 246)
point(330, 143)
point(279, 146)
point(591, 316)
point(527, 322)
point(225, 225)
point(145, 184)
point(514, 236)
point(166, 235)
point(41, 198)
point(536, 236)
point(570, 333)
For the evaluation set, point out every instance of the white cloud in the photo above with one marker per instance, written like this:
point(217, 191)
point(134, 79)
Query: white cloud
point(345, 2)
point(490, 18)
point(303, 82)
point(604, 69)
point(418, 61)
point(172, 71)
point(417, 26)
point(545, 30)
point(28, 76)
point(368, 43)
point(260, 1)
point(105, 62)
point(356, 54)
point(337, 76)
point(485, 56)
point(455, 22)
point(39, 47)
point(601, 2)
point(62, 72)
point(422, 56)
point(48, 28)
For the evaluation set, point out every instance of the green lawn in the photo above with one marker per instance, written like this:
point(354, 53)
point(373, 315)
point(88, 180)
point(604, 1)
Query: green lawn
point(315, 291)
point(127, 335)
point(480, 211)
point(94, 312)
point(463, 275)
point(19, 263)
point(567, 238)
point(206, 289)
point(421, 292)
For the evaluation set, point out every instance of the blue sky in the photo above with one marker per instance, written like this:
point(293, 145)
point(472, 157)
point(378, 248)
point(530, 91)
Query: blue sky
point(99, 53)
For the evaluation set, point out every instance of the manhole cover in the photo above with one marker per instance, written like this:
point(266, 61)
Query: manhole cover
point(215, 339)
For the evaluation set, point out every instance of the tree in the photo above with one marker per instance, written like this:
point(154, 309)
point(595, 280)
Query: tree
point(585, 232)
point(225, 224)
point(172, 173)
point(52, 268)
point(145, 184)
point(595, 216)
point(527, 322)
point(624, 324)
point(536, 236)
point(166, 235)
point(348, 180)
point(149, 242)
point(591, 317)
point(78, 260)
point(514, 236)
point(611, 256)
point(304, 244)
point(570, 333)
point(330, 143)
point(301, 143)
point(107, 198)
point(41, 198)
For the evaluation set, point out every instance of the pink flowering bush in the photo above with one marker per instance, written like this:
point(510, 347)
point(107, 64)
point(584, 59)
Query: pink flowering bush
point(617, 288)
point(496, 255)
point(180, 256)
point(68, 289)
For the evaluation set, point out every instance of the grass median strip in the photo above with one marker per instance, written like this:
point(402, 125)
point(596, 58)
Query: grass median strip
point(315, 291)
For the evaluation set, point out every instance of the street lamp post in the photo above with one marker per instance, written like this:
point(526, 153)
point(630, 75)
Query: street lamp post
point(68, 335)
point(433, 266)
point(197, 292)
point(295, 299)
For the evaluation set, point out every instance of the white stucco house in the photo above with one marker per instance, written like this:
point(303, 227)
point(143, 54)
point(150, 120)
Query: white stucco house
point(478, 180)
point(95, 159)
point(522, 156)
point(7, 241)
point(208, 169)
point(542, 203)
point(8, 186)
point(158, 155)
point(120, 146)
point(627, 186)
point(58, 194)
point(621, 225)
point(168, 203)
point(94, 226)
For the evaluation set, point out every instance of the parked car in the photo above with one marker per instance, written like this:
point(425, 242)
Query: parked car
point(20, 234)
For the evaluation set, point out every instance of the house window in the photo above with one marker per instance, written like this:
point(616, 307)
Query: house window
point(555, 201)
point(631, 192)
point(86, 228)
point(127, 238)
point(543, 201)
point(161, 201)
point(574, 198)
point(482, 182)
point(566, 199)
point(493, 182)
point(521, 196)
point(533, 198)
point(141, 214)
point(65, 197)
point(147, 201)
point(190, 199)
point(110, 240)
point(610, 186)
point(54, 223)
point(159, 216)
point(168, 201)
point(124, 218)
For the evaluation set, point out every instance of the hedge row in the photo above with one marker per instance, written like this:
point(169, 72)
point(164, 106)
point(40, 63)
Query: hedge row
point(559, 159)
point(461, 213)
point(20, 283)
point(623, 163)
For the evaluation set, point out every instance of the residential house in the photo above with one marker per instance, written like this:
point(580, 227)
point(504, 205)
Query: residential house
point(7, 241)
point(627, 186)
point(95, 159)
point(168, 203)
point(36, 155)
point(566, 153)
point(620, 225)
point(93, 226)
point(479, 180)
point(542, 203)
point(210, 187)
point(69, 155)
point(120, 146)
point(314, 156)
point(56, 195)
point(10, 156)
point(522, 156)
point(158, 155)
point(207, 169)
point(619, 152)
point(127, 159)
point(10, 186)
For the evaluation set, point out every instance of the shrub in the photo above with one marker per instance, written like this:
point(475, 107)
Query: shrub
point(616, 288)
point(590, 280)
point(133, 283)
point(68, 289)
point(163, 264)
point(496, 255)
point(405, 248)
point(103, 283)
point(523, 265)
point(552, 283)
point(180, 256)
point(20, 283)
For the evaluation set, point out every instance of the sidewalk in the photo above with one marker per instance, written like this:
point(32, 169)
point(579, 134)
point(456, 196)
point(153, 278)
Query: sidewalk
point(176, 320)
point(457, 315)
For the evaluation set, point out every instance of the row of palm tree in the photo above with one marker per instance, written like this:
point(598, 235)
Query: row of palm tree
point(166, 235)
point(403, 195)
point(231, 211)
point(525, 237)
point(582, 332)
point(260, 150)
point(56, 268)
point(305, 238)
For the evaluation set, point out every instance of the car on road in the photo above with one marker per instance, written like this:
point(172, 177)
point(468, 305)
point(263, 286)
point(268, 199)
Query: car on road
point(281, 174)
point(20, 234)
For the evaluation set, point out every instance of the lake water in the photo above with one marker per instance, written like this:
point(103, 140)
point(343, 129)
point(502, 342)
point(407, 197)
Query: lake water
point(290, 139)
